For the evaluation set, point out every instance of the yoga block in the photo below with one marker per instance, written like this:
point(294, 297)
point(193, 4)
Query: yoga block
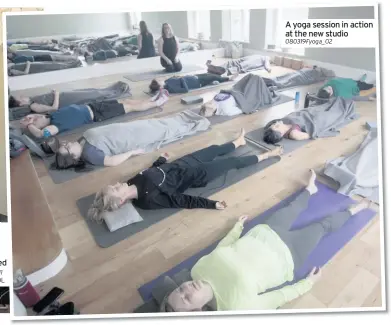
point(278, 60)
point(297, 64)
point(192, 100)
point(371, 125)
point(287, 62)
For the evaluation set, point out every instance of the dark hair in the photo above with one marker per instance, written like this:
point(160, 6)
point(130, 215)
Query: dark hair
point(154, 86)
point(66, 161)
point(270, 136)
point(323, 93)
point(143, 27)
point(12, 102)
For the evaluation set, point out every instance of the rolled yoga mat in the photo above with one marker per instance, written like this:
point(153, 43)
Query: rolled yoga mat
point(149, 75)
point(216, 119)
point(323, 203)
point(104, 238)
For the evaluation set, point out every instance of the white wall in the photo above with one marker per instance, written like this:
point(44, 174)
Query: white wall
point(177, 19)
point(362, 58)
point(71, 24)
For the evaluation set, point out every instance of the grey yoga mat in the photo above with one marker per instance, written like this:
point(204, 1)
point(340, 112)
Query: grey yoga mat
point(146, 75)
point(104, 238)
point(216, 119)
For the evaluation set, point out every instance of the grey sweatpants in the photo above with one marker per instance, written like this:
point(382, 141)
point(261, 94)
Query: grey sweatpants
point(302, 242)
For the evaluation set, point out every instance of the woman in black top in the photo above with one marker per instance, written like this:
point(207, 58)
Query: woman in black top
point(163, 185)
point(169, 50)
point(145, 42)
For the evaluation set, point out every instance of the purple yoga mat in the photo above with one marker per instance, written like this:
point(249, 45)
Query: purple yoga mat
point(323, 203)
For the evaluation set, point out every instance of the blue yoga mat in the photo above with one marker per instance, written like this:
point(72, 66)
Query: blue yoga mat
point(326, 201)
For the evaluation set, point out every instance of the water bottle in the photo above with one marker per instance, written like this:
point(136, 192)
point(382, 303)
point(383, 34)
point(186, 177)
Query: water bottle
point(297, 99)
point(25, 290)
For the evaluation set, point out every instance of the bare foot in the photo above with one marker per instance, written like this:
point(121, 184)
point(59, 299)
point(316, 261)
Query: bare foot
point(278, 151)
point(240, 141)
point(356, 208)
point(311, 187)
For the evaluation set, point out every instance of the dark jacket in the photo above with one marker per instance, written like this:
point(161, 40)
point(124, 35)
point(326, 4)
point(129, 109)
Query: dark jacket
point(162, 186)
point(182, 85)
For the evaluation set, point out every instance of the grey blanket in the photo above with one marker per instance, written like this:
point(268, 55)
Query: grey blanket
point(149, 135)
point(78, 96)
point(251, 93)
point(358, 172)
point(324, 120)
point(39, 67)
point(248, 63)
point(303, 77)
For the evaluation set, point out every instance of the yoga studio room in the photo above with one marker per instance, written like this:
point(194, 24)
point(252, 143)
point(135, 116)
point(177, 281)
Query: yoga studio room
point(190, 162)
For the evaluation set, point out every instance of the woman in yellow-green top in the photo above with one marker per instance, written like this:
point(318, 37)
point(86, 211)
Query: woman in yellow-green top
point(237, 273)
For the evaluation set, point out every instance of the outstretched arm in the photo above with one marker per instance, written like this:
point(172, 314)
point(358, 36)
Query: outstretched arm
point(112, 161)
point(232, 236)
point(185, 201)
point(277, 298)
point(40, 108)
point(139, 41)
point(299, 135)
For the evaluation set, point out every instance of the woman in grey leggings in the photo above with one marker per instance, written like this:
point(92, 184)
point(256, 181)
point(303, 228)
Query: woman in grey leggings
point(239, 271)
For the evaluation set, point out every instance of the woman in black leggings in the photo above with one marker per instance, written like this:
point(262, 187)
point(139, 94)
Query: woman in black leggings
point(169, 50)
point(162, 185)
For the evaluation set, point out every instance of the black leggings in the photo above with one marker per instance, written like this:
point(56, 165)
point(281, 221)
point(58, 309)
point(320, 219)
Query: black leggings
point(106, 110)
point(174, 67)
point(364, 86)
point(215, 168)
point(206, 79)
point(302, 242)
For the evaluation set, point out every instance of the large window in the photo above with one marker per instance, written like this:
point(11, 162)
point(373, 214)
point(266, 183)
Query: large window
point(274, 27)
point(198, 23)
point(135, 18)
point(236, 25)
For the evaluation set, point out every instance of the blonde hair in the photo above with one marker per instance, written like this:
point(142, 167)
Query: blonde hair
point(103, 202)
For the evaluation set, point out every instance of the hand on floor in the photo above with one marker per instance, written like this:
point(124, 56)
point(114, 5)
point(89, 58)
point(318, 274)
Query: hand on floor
point(315, 275)
point(243, 219)
point(221, 205)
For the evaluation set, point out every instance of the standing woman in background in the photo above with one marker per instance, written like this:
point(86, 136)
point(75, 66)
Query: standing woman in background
point(169, 49)
point(145, 42)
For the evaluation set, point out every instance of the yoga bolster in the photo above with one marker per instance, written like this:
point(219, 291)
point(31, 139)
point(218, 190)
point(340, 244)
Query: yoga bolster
point(122, 217)
point(192, 100)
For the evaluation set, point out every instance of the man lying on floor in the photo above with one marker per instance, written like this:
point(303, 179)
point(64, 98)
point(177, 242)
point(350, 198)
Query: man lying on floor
point(344, 87)
point(182, 85)
point(20, 69)
point(242, 65)
point(113, 144)
point(236, 274)
point(302, 77)
point(247, 96)
point(310, 123)
point(162, 185)
point(73, 116)
point(21, 106)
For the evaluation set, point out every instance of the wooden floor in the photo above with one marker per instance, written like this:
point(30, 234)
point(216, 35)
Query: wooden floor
point(103, 281)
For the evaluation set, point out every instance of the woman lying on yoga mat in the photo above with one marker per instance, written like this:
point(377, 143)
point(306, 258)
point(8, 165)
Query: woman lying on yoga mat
point(112, 144)
point(56, 99)
point(242, 65)
point(311, 123)
point(20, 69)
point(168, 46)
point(181, 85)
point(343, 87)
point(162, 185)
point(236, 274)
point(73, 116)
